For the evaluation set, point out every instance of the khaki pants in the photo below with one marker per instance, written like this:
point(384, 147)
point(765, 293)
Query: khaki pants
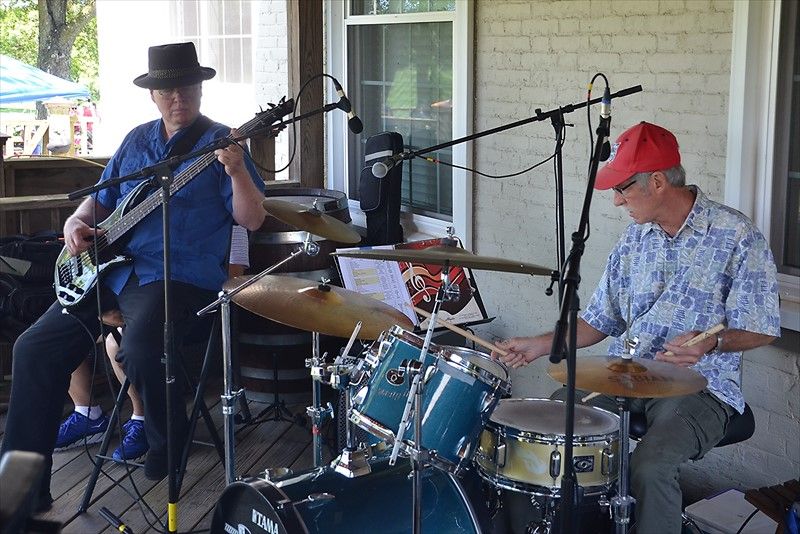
point(678, 429)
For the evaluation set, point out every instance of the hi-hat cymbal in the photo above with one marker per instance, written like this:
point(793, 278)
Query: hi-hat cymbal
point(310, 220)
point(637, 378)
point(440, 255)
point(307, 305)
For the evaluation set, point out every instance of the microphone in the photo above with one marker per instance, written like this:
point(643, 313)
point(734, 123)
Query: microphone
point(605, 115)
point(353, 122)
point(381, 168)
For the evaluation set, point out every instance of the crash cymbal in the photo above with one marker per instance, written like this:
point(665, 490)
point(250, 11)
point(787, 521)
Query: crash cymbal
point(637, 378)
point(310, 220)
point(307, 305)
point(440, 255)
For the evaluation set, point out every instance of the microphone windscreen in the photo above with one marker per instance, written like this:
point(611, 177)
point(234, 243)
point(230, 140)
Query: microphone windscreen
point(380, 170)
point(355, 124)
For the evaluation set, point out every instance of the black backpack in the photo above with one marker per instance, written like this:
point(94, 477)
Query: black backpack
point(24, 297)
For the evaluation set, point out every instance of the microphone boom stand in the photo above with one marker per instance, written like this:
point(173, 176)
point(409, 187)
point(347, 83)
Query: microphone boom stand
point(568, 318)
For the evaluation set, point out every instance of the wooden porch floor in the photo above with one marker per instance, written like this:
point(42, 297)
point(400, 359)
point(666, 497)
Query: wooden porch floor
point(258, 447)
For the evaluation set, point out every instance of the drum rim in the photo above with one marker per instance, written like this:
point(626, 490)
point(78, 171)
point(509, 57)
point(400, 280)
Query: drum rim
point(476, 371)
point(535, 489)
point(529, 436)
point(439, 352)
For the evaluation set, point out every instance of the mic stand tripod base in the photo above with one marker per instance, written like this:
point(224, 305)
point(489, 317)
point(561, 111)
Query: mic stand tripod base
point(352, 463)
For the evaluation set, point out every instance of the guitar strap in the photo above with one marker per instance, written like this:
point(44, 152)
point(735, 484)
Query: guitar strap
point(190, 137)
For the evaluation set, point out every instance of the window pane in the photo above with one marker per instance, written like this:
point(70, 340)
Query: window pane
point(401, 78)
point(792, 235)
point(214, 18)
point(247, 10)
point(233, 60)
point(233, 15)
point(391, 7)
point(215, 56)
point(190, 18)
point(247, 60)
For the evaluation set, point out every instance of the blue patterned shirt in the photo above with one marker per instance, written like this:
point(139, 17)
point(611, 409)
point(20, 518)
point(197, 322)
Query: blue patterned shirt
point(718, 268)
point(201, 213)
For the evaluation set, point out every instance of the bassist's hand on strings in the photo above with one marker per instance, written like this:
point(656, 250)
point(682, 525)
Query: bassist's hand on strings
point(232, 157)
point(78, 235)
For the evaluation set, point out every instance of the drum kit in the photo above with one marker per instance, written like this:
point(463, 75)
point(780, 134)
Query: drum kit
point(445, 409)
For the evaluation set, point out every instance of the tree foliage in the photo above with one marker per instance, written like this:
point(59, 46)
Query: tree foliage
point(58, 36)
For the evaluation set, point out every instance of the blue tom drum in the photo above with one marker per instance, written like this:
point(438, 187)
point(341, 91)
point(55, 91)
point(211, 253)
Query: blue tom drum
point(462, 387)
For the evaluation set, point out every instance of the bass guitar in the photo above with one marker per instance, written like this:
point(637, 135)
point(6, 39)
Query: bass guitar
point(76, 276)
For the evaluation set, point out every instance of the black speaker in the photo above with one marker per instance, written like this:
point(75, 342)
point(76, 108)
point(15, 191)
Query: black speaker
point(380, 197)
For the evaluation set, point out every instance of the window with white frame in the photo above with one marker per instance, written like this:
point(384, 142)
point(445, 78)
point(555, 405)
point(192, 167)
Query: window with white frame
point(762, 179)
point(222, 32)
point(406, 65)
point(785, 233)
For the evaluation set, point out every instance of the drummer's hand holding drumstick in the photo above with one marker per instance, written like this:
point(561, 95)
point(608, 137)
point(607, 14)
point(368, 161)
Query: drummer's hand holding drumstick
point(687, 349)
point(521, 351)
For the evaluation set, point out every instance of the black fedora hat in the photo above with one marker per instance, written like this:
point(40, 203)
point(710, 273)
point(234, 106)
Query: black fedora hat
point(173, 65)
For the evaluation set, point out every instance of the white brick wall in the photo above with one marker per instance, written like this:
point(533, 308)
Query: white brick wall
point(541, 54)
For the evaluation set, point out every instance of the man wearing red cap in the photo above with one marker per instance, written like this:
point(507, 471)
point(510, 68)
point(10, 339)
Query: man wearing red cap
point(686, 264)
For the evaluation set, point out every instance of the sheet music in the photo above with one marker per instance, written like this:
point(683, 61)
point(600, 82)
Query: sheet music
point(378, 279)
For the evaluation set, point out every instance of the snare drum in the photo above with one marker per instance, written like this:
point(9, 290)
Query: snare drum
point(462, 387)
point(522, 447)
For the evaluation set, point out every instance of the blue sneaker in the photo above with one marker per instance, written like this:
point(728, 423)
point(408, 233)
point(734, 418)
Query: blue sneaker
point(134, 442)
point(77, 427)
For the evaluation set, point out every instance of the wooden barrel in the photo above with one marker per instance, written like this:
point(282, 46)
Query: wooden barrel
point(272, 356)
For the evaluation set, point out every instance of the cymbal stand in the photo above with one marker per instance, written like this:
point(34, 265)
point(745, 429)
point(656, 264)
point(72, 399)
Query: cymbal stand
point(354, 460)
point(416, 369)
point(622, 503)
point(316, 412)
point(230, 397)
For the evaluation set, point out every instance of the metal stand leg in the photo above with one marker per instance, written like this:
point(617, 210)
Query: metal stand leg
point(316, 412)
point(100, 457)
point(622, 504)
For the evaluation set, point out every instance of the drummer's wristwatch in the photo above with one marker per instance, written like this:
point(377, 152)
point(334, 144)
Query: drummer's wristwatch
point(717, 346)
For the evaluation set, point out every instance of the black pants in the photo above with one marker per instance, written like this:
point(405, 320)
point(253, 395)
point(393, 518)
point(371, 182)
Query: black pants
point(45, 355)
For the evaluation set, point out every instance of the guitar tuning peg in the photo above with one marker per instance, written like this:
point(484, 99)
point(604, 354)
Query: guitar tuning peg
point(270, 104)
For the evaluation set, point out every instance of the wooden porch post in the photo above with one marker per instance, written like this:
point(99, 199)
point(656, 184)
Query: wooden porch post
point(304, 34)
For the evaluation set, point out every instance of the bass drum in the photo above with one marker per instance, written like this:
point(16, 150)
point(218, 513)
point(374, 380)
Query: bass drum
point(322, 501)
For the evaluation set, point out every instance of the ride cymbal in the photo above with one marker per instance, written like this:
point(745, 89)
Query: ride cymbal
point(441, 255)
point(315, 307)
point(637, 378)
point(310, 220)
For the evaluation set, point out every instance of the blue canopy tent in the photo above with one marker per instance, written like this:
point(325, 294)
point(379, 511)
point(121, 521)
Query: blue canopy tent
point(20, 82)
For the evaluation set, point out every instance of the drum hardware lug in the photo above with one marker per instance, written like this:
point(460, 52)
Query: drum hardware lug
point(607, 462)
point(360, 395)
point(500, 451)
point(555, 464)
point(488, 400)
point(429, 372)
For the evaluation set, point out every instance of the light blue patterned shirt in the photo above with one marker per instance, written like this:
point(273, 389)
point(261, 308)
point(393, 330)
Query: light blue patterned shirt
point(718, 268)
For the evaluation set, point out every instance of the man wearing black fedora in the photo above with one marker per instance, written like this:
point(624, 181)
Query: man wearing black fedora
point(201, 216)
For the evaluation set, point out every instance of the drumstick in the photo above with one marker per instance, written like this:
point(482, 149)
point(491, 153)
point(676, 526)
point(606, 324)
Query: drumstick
point(694, 341)
point(468, 335)
point(699, 337)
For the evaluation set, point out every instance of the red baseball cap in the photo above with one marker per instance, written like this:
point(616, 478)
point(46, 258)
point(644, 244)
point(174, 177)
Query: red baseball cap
point(641, 148)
